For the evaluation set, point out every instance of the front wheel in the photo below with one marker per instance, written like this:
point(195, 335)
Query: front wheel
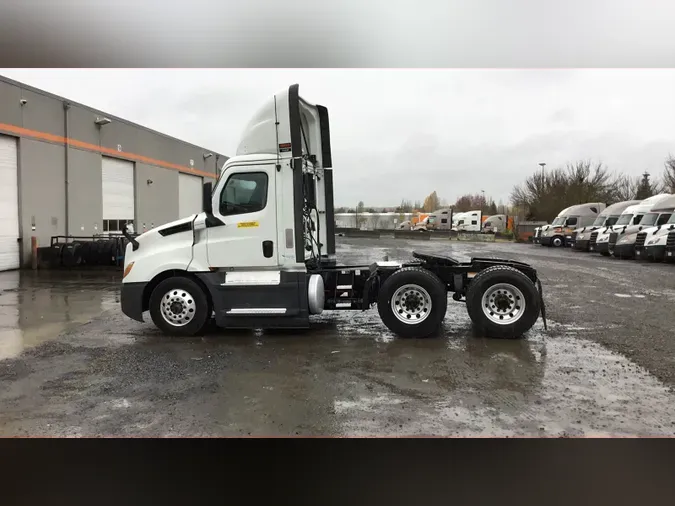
point(412, 302)
point(179, 307)
point(503, 302)
point(557, 242)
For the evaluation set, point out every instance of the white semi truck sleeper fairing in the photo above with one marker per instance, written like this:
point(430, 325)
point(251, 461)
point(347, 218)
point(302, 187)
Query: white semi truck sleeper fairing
point(262, 252)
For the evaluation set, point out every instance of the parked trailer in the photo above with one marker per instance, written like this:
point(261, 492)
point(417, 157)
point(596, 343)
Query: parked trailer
point(584, 235)
point(262, 252)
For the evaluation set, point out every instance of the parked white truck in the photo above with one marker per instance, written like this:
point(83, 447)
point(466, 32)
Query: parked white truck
point(261, 254)
point(647, 243)
point(470, 221)
point(605, 219)
point(632, 220)
point(568, 220)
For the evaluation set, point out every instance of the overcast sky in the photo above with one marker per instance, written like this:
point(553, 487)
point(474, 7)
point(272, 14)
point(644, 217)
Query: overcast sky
point(404, 133)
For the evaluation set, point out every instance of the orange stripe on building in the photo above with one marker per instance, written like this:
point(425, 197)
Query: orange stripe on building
point(34, 134)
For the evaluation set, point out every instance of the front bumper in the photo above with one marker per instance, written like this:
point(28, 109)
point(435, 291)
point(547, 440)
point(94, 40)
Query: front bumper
point(657, 253)
point(582, 244)
point(131, 299)
point(624, 250)
point(601, 247)
point(545, 241)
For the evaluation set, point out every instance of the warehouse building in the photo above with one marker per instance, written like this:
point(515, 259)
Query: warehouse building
point(69, 170)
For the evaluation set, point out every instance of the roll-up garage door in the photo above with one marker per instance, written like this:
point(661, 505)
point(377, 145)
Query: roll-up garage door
point(9, 204)
point(189, 195)
point(118, 193)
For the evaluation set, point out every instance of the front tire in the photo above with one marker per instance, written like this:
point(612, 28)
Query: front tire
point(179, 307)
point(412, 302)
point(557, 242)
point(503, 302)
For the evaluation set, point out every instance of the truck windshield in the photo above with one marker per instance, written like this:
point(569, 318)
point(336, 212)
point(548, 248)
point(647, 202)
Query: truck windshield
point(624, 219)
point(611, 220)
point(600, 220)
point(671, 221)
point(560, 220)
point(649, 219)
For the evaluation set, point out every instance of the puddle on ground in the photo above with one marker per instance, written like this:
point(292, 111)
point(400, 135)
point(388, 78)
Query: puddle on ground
point(550, 383)
point(35, 308)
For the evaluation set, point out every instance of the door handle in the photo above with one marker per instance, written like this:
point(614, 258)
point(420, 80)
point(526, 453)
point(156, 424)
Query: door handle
point(268, 249)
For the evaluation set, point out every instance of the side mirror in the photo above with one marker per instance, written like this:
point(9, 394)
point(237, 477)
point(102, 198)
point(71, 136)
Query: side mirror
point(207, 203)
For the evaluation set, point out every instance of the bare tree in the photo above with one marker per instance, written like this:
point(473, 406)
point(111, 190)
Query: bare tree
point(669, 175)
point(625, 187)
point(543, 195)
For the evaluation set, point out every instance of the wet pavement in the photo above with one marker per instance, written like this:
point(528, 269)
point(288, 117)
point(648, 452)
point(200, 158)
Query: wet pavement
point(73, 365)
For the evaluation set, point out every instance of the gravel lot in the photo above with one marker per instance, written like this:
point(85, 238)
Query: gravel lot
point(71, 364)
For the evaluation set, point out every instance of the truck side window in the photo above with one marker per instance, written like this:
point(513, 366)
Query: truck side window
point(244, 193)
point(444, 220)
point(571, 221)
point(663, 219)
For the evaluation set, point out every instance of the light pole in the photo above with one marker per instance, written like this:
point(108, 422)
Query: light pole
point(542, 165)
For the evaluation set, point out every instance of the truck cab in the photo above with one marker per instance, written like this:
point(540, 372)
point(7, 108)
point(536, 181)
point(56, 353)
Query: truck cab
point(495, 223)
point(470, 221)
point(438, 220)
point(650, 243)
point(585, 235)
point(630, 222)
point(568, 220)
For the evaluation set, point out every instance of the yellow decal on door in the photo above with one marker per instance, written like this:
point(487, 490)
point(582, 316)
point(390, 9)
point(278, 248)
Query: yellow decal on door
point(247, 224)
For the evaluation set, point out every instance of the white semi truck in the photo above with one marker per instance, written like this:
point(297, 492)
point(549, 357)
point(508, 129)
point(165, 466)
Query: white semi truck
point(605, 219)
point(647, 244)
point(562, 228)
point(632, 220)
point(261, 254)
point(470, 221)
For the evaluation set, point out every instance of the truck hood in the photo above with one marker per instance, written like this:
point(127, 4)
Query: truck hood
point(658, 231)
point(164, 228)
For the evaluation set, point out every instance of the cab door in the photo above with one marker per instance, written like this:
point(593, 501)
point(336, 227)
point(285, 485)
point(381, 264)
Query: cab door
point(246, 205)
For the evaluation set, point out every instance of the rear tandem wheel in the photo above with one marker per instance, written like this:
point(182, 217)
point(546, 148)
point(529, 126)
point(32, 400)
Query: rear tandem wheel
point(503, 302)
point(412, 302)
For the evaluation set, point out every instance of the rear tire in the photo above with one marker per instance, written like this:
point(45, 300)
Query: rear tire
point(412, 302)
point(502, 302)
point(179, 307)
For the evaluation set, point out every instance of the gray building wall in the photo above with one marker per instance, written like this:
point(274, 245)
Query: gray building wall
point(40, 125)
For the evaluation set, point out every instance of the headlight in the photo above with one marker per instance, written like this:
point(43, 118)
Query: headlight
point(623, 240)
point(652, 241)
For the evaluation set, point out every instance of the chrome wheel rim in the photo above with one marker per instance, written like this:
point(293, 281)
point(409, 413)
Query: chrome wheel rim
point(557, 241)
point(411, 304)
point(503, 304)
point(178, 307)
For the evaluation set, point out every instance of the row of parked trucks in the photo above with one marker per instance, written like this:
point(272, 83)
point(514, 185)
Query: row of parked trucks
point(470, 221)
point(640, 229)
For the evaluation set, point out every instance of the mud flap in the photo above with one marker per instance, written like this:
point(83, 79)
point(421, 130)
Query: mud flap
point(541, 303)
